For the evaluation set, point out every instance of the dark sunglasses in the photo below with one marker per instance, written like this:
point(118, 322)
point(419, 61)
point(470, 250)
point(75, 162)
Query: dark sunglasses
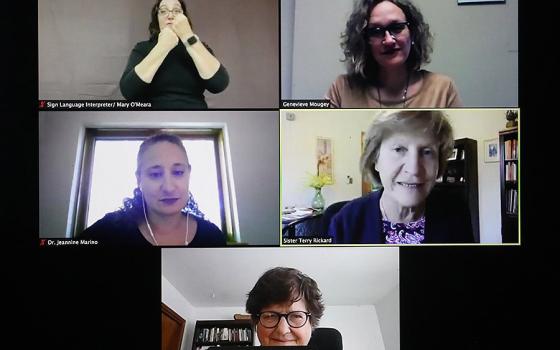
point(379, 32)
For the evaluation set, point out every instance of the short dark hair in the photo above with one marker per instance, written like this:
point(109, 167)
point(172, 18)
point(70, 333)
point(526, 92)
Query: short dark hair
point(154, 23)
point(361, 67)
point(283, 284)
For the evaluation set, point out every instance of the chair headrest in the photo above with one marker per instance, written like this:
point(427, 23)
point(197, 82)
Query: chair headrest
point(326, 339)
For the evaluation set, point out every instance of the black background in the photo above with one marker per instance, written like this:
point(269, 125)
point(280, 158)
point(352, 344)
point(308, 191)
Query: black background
point(451, 297)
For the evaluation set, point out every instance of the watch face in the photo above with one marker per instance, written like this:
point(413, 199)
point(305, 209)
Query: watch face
point(192, 40)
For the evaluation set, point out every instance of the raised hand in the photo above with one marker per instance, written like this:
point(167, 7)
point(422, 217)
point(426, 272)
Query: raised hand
point(182, 28)
point(167, 38)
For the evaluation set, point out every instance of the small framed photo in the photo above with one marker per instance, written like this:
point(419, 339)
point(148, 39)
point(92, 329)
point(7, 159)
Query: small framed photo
point(491, 151)
point(475, 2)
point(453, 155)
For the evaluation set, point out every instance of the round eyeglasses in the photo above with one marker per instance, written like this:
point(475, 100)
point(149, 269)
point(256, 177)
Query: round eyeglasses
point(164, 12)
point(295, 319)
point(394, 29)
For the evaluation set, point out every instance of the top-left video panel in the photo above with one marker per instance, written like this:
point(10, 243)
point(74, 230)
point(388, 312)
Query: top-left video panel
point(166, 54)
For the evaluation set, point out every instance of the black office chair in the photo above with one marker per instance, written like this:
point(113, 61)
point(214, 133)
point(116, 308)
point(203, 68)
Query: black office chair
point(325, 339)
point(329, 213)
point(304, 227)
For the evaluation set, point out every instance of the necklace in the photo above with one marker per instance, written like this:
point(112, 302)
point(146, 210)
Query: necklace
point(152, 233)
point(383, 213)
point(405, 92)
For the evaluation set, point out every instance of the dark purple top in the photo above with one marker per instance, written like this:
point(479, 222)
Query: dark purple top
point(360, 221)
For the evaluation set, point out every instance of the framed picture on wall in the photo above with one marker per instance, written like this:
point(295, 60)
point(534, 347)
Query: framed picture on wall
point(323, 154)
point(474, 2)
point(491, 151)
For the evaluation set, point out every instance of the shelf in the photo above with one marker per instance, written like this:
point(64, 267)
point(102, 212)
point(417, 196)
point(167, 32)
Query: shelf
point(244, 343)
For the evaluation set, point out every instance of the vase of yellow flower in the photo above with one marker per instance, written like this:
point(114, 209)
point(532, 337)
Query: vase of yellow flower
point(318, 202)
point(317, 182)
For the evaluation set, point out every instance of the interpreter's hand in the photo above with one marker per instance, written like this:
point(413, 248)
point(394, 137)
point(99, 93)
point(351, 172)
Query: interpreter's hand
point(182, 27)
point(167, 38)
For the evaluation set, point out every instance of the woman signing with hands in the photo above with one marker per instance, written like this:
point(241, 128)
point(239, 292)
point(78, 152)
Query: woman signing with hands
point(174, 68)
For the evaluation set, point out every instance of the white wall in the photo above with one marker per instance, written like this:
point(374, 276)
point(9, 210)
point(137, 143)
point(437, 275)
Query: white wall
point(255, 174)
point(359, 325)
point(84, 47)
point(298, 140)
point(344, 128)
point(476, 45)
point(389, 320)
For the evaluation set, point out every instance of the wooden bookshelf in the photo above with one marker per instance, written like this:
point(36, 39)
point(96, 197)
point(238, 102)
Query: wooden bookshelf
point(460, 179)
point(509, 189)
point(221, 333)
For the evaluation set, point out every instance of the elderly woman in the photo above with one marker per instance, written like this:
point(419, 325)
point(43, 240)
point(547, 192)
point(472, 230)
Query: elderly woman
point(162, 211)
point(405, 152)
point(285, 306)
point(385, 44)
point(174, 68)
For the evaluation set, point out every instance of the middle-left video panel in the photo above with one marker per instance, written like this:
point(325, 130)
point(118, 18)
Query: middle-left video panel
point(159, 178)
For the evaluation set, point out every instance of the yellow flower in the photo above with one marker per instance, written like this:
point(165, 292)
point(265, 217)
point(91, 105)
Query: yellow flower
point(318, 181)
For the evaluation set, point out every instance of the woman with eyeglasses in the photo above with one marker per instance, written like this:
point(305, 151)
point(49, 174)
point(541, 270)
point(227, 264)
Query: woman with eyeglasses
point(285, 306)
point(162, 211)
point(174, 68)
point(385, 44)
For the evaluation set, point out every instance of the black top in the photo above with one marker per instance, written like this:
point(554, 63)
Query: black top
point(120, 229)
point(360, 221)
point(176, 84)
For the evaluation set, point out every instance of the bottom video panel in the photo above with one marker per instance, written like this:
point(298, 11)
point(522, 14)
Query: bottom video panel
point(281, 297)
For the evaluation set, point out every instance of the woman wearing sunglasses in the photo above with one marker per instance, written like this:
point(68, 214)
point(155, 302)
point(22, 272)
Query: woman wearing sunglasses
point(285, 306)
point(385, 44)
point(174, 68)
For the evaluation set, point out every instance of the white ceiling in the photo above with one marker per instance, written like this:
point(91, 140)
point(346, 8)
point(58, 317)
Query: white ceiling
point(222, 277)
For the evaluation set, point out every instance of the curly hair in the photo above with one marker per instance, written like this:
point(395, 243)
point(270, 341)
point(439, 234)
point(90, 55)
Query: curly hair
point(134, 206)
point(361, 67)
point(154, 23)
point(433, 122)
point(284, 284)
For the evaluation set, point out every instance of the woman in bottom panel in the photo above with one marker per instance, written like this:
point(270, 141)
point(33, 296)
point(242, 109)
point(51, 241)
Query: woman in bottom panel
point(162, 210)
point(405, 152)
point(285, 306)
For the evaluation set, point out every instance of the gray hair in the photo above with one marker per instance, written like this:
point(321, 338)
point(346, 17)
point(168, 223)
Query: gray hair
point(434, 122)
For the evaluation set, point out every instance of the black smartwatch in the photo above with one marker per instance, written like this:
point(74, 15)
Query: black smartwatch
point(192, 40)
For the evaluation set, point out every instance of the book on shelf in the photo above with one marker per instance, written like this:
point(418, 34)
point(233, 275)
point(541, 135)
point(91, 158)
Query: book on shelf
point(224, 334)
point(510, 149)
point(511, 171)
point(511, 201)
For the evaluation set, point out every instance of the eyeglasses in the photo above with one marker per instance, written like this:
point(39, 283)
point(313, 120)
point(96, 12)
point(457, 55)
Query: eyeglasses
point(394, 29)
point(164, 12)
point(295, 319)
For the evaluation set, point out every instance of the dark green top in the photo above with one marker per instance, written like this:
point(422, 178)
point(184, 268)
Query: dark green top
point(176, 84)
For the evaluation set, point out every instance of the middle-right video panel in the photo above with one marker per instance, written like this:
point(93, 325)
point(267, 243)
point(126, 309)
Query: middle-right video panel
point(445, 176)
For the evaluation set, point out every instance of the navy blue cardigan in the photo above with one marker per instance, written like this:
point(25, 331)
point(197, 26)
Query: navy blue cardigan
point(360, 221)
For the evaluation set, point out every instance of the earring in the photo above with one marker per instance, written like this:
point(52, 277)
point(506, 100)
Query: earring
point(412, 43)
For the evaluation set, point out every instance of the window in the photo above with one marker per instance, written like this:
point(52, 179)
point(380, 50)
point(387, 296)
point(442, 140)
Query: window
point(109, 165)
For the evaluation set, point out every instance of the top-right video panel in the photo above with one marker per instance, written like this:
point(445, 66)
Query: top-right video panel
point(401, 54)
